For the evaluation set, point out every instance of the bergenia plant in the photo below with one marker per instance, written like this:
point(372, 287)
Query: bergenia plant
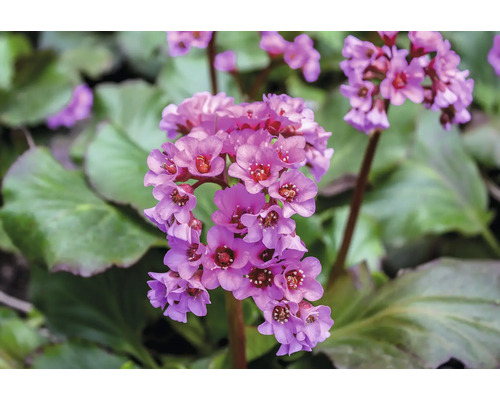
point(378, 76)
point(494, 55)
point(257, 153)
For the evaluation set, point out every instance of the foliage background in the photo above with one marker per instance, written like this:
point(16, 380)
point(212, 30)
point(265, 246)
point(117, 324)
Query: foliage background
point(74, 243)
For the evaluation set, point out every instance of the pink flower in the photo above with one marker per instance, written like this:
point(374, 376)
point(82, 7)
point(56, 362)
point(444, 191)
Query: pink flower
point(273, 43)
point(200, 157)
point(301, 54)
point(281, 321)
point(403, 80)
point(296, 192)
point(359, 93)
point(225, 61)
point(423, 42)
point(257, 167)
point(389, 37)
point(162, 166)
point(184, 257)
point(494, 55)
point(174, 200)
point(180, 42)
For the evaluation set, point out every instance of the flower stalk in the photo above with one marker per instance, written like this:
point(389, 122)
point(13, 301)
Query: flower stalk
point(357, 200)
point(237, 338)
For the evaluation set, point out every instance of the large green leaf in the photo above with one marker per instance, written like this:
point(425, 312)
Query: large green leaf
point(77, 355)
point(51, 215)
point(135, 108)
point(41, 87)
point(5, 242)
point(445, 309)
point(11, 46)
point(483, 143)
point(111, 308)
point(350, 144)
point(18, 339)
point(437, 189)
point(116, 167)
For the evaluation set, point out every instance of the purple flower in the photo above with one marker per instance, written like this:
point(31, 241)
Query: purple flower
point(445, 64)
point(193, 112)
point(174, 200)
point(281, 321)
point(162, 166)
point(359, 93)
point(317, 322)
point(233, 202)
point(200, 157)
point(403, 80)
point(273, 43)
point(301, 54)
point(224, 259)
point(389, 37)
point(423, 42)
point(78, 109)
point(377, 116)
point(180, 42)
point(267, 225)
point(298, 279)
point(257, 167)
point(225, 61)
point(360, 54)
point(494, 55)
point(184, 257)
point(290, 150)
point(296, 192)
point(259, 283)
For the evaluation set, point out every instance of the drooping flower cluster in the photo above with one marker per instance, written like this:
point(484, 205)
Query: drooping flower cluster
point(180, 42)
point(252, 250)
point(427, 72)
point(78, 109)
point(297, 54)
point(494, 55)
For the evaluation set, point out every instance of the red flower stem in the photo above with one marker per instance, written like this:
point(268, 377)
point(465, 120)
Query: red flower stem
point(223, 184)
point(236, 332)
point(211, 59)
point(357, 200)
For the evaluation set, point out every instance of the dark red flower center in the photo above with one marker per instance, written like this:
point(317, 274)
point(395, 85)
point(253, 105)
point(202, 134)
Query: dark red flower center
point(260, 278)
point(400, 80)
point(196, 34)
point(191, 252)
point(310, 319)
point(289, 191)
point(193, 292)
point(294, 279)
point(281, 314)
point(178, 198)
point(266, 255)
point(203, 164)
point(273, 127)
point(169, 165)
point(259, 172)
point(224, 257)
point(236, 217)
point(270, 220)
point(363, 91)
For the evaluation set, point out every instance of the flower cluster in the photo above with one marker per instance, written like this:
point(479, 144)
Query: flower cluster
point(494, 55)
point(426, 73)
point(78, 109)
point(297, 54)
point(252, 250)
point(180, 42)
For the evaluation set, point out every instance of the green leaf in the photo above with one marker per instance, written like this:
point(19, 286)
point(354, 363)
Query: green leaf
point(5, 242)
point(257, 344)
point(445, 309)
point(135, 108)
point(249, 55)
point(110, 308)
point(182, 77)
point(145, 51)
point(350, 144)
point(437, 189)
point(121, 146)
point(11, 46)
point(77, 355)
point(51, 215)
point(205, 205)
point(483, 143)
point(125, 165)
point(41, 88)
point(17, 340)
